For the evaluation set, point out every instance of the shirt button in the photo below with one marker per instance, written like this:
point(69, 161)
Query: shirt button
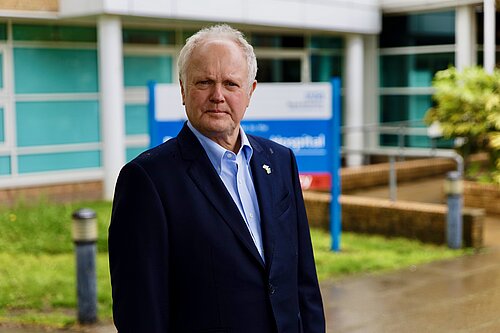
point(271, 289)
point(251, 215)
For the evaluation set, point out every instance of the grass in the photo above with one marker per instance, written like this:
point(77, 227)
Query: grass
point(37, 264)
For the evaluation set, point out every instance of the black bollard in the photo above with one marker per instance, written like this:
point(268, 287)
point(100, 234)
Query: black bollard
point(85, 238)
point(454, 190)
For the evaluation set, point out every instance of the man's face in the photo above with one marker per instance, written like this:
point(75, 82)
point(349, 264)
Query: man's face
point(216, 92)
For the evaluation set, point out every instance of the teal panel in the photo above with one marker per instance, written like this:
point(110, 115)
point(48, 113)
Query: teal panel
point(5, 165)
point(133, 152)
point(50, 123)
point(324, 67)
point(140, 36)
point(1, 71)
point(136, 119)
point(432, 28)
point(326, 42)
point(3, 31)
point(2, 128)
point(54, 33)
point(55, 70)
point(413, 70)
point(59, 161)
point(138, 70)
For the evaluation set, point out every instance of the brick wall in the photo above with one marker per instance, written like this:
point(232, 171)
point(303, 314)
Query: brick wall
point(31, 5)
point(378, 174)
point(485, 196)
point(422, 221)
point(85, 191)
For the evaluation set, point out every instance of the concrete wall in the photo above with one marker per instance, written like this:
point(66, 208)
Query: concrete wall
point(357, 16)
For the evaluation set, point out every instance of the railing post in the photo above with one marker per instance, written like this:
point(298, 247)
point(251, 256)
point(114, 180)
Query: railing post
point(454, 190)
point(393, 189)
point(84, 233)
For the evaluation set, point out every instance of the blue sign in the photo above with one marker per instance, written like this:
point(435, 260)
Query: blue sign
point(303, 117)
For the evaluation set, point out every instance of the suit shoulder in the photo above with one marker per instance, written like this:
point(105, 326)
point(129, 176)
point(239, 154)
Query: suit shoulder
point(167, 149)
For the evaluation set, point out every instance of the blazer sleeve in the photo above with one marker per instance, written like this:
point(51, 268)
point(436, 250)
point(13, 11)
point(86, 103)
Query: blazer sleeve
point(310, 303)
point(138, 254)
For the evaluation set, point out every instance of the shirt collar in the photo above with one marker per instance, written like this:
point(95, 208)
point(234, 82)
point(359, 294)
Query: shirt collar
point(216, 152)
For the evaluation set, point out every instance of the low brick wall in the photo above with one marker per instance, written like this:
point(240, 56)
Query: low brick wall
point(85, 191)
point(378, 174)
point(485, 196)
point(421, 221)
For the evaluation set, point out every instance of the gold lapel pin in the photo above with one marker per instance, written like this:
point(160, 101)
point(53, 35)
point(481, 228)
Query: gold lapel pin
point(267, 168)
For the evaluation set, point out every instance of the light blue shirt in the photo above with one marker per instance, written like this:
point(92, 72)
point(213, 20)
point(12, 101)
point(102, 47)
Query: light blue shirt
point(234, 170)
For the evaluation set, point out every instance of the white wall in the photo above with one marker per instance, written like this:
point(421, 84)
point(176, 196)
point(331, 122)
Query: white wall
point(401, 6)
point(356, 16)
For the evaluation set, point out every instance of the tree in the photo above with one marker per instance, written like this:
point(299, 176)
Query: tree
point(468, 107)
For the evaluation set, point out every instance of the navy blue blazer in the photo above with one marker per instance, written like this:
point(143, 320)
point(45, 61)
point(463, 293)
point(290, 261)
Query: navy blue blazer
point(182, 259)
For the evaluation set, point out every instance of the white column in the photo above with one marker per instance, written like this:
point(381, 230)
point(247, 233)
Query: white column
point(465, 37)
point(489, 35)
point(465, 40)
point(353, 138)
point(112, 102)
point(371, 83)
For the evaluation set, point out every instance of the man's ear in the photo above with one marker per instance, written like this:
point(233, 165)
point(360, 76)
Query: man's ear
point(252, 89)
point(183, 93)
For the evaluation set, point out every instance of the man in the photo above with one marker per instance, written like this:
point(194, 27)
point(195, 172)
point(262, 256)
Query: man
point(208, 231)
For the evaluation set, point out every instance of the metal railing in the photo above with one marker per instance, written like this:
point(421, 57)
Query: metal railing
point(401, 129)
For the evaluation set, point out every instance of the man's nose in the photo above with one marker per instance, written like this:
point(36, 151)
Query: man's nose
point(216, 95)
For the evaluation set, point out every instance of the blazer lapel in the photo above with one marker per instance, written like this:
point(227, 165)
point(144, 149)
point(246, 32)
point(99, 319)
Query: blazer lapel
point(263, 179)
point(209, 183)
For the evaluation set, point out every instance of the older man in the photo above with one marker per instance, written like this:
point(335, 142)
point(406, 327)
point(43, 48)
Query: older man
point(209, 231)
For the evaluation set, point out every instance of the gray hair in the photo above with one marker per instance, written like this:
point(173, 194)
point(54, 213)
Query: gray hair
point(220, 31)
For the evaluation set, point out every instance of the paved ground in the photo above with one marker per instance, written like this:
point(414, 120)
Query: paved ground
point(460, 295)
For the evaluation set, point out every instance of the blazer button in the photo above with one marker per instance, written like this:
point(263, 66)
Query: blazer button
point(271, 289)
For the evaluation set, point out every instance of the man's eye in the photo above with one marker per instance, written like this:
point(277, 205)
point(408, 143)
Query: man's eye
point(231, 84)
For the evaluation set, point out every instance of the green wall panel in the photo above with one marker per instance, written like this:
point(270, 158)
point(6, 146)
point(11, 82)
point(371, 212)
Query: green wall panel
point(136, 119)
point(2, 128)
point(59, 161)
point(50, 123)
point(1, 71)
point(4, 165)
point(138, 70)
point(3, 31)
point(133, 152)
point(44, 70)
point(54, 33)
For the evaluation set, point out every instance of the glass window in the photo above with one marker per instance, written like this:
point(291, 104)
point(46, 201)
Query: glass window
point(53, 33)
point(480, 27)
point(136, 119)
point(5, 165)
point(59, 161)
point(133, 152)
point(324, 67)
point(1, 71)
point(418, 29)
point(138, 70)
point(414, 70)
point(157, 37)
point(395, 108)
point(2, 128)
point(277, 41)
point(278, 70)
point(55, 70)
point(51, 123)
point(3, 31)
point(326, 42)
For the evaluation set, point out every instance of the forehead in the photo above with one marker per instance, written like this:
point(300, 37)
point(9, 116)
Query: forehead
point(225, 53)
